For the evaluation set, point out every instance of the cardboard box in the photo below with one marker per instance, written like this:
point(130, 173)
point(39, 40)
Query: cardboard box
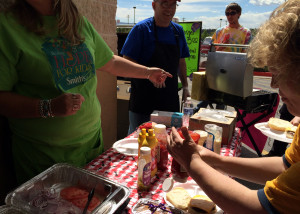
point(167, 118)
point(199, 86)
point(197, 122)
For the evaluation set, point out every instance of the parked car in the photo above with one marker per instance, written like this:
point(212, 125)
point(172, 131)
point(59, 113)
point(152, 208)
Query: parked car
point(205, 46)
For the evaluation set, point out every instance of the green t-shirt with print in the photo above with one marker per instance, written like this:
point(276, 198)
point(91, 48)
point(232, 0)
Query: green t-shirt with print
point(44, 67)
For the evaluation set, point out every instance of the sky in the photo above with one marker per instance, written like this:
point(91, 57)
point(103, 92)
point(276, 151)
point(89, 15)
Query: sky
point(210, 12)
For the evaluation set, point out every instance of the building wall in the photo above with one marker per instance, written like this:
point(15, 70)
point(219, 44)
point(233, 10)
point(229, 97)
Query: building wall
point(101, 13)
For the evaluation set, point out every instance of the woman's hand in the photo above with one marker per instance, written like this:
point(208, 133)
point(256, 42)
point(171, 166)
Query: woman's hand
point(183, 150)
point(66, 104)
point(158, 77)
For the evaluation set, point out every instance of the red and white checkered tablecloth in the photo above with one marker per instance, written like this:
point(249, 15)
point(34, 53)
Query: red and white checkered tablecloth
point(123, 169)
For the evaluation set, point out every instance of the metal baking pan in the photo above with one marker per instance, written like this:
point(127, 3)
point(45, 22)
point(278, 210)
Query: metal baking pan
point(5, 209)
point(41, 194)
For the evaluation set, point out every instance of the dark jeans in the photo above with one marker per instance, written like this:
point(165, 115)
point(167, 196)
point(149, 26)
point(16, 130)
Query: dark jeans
point(135, 120)
point(279, 147)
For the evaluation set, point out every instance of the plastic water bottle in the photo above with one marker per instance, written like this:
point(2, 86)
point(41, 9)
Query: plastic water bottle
point(188, 111)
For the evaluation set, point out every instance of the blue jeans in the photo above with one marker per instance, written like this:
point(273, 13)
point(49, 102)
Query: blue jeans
point(136, 119)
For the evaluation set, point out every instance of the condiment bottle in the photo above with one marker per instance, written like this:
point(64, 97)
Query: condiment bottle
point(142, 137)
point(214, 137)
point(152, 141)
point(161, 136)
point(144, 169)
point(188, 111)
point(178, 172)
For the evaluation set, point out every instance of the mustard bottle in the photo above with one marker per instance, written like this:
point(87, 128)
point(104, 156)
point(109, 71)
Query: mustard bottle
point(152, 141)
point(142, 137)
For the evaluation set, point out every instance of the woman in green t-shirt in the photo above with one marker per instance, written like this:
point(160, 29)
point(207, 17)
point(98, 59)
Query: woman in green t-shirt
point(49, 54)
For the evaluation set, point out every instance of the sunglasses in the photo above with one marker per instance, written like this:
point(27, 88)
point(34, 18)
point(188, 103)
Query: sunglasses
point(232, 13)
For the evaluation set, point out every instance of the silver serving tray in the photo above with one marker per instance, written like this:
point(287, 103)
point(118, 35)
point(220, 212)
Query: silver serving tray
point(41, 193)
point(5, 209)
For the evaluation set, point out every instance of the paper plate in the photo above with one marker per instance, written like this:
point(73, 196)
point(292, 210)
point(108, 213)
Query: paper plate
point(127, 146)
point(193, 189)
point(277, 135)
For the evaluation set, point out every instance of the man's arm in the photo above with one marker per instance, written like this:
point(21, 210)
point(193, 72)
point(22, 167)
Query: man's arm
point(183, 79)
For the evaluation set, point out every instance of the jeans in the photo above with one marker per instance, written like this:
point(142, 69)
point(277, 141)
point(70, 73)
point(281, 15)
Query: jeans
point(136, 119)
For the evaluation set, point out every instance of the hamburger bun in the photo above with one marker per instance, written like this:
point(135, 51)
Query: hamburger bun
point(201, 204)
point(203, 136)
point(278, 124)
point(179, 197)
point(290, 132)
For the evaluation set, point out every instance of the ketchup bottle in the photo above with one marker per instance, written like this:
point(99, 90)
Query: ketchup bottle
point(161, 135)
point(178, 171)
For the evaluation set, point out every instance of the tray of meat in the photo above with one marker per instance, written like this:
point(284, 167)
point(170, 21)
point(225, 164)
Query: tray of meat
point(67, 189)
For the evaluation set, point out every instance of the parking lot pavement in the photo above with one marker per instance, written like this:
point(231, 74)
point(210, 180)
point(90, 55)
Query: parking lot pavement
point(263, 83)
point(260, 82)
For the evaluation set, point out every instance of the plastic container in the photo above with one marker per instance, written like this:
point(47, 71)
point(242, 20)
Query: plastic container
point(214, 137)
point(161, 134)
point(144, 169)
point(178, 172)
point(152, 143)
point(147, 205)
point(188, 111)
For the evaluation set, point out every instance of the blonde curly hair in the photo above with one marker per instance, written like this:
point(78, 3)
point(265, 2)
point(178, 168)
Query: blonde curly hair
point(68, 17)
point(277, 43)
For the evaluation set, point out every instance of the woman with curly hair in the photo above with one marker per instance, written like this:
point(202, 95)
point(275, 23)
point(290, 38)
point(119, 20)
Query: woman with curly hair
point(277, 45)
point(49, 54)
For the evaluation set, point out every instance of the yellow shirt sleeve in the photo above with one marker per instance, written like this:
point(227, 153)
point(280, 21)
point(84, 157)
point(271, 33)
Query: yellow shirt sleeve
point(292, 154)
point(283, 192)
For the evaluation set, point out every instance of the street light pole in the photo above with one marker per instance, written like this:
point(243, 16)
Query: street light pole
point(134, 15)
point(221, 22)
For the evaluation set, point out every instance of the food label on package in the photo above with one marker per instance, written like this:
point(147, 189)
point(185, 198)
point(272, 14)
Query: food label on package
point(210, 141)
point(147, 174)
